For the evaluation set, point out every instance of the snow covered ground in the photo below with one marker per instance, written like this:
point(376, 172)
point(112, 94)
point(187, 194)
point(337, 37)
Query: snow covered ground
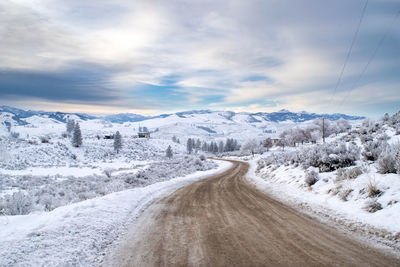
point(346, 199)
point(79, 234)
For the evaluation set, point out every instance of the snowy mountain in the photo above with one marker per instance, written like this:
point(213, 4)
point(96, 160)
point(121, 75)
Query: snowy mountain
point(18, 115)
point(196, 124)
point(279, 116)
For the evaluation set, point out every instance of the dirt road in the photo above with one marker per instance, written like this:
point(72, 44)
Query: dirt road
point(225, 221)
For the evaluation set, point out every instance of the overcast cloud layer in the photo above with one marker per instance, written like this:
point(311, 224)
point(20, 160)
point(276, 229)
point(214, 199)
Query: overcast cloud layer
point(163, 56)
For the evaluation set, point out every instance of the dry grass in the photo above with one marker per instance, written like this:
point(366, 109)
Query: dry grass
point(372, 189)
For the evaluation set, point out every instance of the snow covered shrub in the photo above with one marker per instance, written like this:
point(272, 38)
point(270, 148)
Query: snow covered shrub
point(372, 149)
point(388, 161)
point(349, 173)
point(107, 172)
point(397, 131)
point(364, 138)
point(370, 126)
point(372, 205)
point(44, 139)
point(397, 160)
point(311, 177)
point(17, 204)
point(14, 135)
point(330, 157)
point(202, 157)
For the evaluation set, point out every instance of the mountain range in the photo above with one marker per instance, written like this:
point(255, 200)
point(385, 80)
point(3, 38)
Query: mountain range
point(18, 115)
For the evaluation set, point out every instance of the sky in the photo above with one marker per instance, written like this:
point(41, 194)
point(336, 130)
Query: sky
point(151, 57)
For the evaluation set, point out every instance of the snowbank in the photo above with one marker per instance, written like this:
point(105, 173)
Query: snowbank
point(341, 202)
point(78, 234)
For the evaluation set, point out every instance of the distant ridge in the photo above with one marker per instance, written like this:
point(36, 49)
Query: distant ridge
point(279, 116)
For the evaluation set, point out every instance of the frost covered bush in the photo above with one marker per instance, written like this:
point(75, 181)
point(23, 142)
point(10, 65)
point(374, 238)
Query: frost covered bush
point(16, 204)
point(389, 160)
point(328, 157)
point(44, 139)
point(348, 173)
point(311, 177)
point(372, 149)
point(46, 193)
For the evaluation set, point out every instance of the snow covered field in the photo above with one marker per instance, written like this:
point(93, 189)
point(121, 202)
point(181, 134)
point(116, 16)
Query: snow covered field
point(79, 234)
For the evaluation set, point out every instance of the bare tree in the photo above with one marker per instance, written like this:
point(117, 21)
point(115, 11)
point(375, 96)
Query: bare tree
point(250, 146)
point(267, 143)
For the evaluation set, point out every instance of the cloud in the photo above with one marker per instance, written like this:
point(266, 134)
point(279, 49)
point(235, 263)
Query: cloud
point(193, 54)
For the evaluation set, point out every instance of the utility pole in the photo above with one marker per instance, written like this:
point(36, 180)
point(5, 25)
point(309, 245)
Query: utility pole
point(323, 130)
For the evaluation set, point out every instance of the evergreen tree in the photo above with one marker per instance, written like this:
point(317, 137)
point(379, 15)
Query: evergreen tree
point(221, 146)
point(117, 142)
point(77, 136)
point(204, 147)
point(198, 144)
point(215, 148)
point(189, 146)
point(168, 152)
point(70, 126)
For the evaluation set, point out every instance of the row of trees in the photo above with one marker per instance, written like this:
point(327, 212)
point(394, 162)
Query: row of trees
point(313, 132)
point(229, 145)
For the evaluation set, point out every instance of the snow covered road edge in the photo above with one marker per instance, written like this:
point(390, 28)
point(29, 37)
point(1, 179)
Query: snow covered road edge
point(319, 208)
point(79, 234)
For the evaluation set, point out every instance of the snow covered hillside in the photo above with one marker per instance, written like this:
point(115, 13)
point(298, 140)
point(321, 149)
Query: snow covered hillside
point(354, 177)
point(196, 124)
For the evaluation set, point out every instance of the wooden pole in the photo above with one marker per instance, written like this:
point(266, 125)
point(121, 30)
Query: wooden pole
point(323, 130)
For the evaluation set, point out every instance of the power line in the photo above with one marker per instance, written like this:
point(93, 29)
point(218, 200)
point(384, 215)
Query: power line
point(355, 84)
point(351, 48)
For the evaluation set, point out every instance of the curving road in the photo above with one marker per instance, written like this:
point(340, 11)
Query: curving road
point(225, 221)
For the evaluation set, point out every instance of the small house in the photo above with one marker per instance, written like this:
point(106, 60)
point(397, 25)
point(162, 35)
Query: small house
point(144, 134)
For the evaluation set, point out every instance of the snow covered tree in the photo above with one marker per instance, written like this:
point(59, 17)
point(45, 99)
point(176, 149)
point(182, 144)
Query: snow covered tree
point(70, 126)
point(117, 142)
point(77, 136)
point(204, 147)
point(198, 145)
point(267, 143)
point(215, 148)
point(250, 146)
point(168, 152)
point(174, 139)
point(145, 130)
point(281, 143)
point(189, 146)
point(221, 146)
